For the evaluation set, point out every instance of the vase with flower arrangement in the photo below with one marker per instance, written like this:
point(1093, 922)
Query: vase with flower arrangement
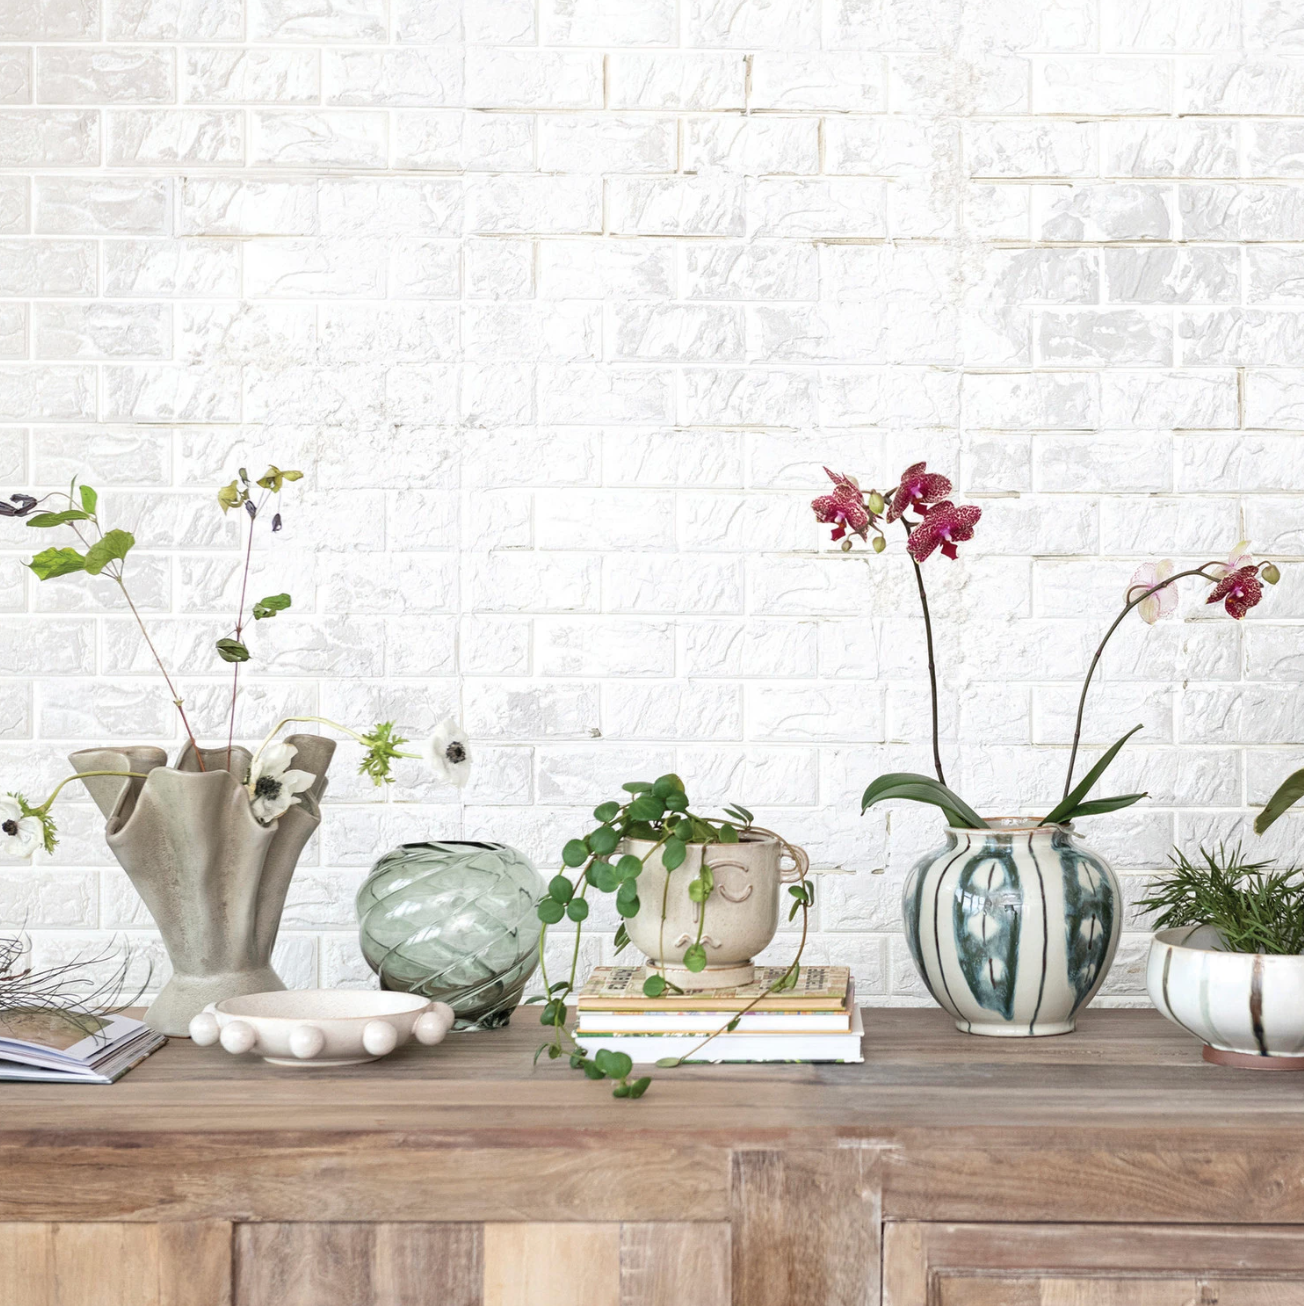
point(1013, 922)
point(211, 842)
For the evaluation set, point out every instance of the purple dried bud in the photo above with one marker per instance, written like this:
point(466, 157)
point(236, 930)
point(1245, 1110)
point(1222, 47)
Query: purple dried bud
point(250, 509)
point(276, 522)
point(19, 505)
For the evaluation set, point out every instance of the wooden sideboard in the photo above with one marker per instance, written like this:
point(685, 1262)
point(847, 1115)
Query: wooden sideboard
point(1108, 1168)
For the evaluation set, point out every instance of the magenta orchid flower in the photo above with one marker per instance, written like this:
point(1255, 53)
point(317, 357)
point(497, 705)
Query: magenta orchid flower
point(1238, 591)
point(918, 487)
point(844, 508)
point(1161, 603)
point(943, 524)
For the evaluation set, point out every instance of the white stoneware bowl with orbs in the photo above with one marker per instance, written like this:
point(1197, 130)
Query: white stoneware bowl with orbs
point(321, 1027)
point(1247, 1008)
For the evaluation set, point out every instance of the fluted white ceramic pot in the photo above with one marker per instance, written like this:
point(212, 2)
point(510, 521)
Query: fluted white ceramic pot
point(1013, 928)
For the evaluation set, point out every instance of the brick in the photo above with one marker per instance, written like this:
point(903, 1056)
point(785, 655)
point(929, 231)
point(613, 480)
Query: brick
point(251, 76)
point(120, 75)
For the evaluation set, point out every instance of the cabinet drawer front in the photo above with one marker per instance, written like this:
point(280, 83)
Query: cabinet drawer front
point(1091, 1265)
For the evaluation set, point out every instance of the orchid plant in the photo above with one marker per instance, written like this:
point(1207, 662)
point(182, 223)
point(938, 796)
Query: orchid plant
point(932, 524)
point(271, 782)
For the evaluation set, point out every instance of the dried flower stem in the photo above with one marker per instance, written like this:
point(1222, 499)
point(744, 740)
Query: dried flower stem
point(318, 720)
point(83, 775)
point(1091, 670)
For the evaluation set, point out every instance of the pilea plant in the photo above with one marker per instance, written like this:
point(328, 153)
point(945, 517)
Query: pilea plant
point(656, 811)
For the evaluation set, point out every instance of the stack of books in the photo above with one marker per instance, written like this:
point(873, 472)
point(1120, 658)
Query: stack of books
point(815, 1021)
point(47, 1047)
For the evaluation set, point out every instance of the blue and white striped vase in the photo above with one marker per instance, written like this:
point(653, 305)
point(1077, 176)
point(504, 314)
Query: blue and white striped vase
point(1014, 928)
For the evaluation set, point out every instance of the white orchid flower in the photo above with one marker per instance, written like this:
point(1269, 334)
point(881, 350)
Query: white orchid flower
point(20, 836)
point(1239, 557)
point(273, 787)
point(1161, 603)
point(448, 753)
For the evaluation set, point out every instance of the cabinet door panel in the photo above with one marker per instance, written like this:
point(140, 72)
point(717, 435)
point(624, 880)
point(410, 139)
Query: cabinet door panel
point(48, 1264)
point(1091, 1265)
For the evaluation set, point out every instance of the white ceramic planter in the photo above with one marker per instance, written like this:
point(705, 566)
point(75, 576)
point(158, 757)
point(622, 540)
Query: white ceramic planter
point(1013, 928)
point(1247, 1008)
point(742, 913)
point(321, 1027)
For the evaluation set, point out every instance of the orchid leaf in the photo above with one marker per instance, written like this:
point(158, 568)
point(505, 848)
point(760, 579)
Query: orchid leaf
point(923, 789)
point(1098, 806)
point(1072, 801)
point(1289, 792)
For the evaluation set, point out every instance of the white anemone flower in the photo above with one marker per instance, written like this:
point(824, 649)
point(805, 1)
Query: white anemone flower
point(448, 753)
point(20, 836)
point(273, 787)
point(1161, 603)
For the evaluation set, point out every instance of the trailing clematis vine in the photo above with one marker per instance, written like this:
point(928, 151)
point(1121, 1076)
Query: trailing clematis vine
point(939, 525)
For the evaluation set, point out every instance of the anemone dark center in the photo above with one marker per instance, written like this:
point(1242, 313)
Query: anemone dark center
point(455, 753)
point(267, 786)
point(10, 827)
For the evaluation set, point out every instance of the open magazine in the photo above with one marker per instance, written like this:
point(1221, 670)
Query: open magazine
point(45, 1046)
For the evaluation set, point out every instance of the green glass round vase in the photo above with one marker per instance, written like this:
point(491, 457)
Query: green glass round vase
point(455, 922)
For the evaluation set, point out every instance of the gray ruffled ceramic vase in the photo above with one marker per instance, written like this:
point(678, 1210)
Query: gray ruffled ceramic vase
point(212, 877)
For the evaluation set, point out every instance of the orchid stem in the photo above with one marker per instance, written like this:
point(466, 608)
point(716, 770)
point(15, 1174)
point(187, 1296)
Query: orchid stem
point(1091, 670)
point(932, 662)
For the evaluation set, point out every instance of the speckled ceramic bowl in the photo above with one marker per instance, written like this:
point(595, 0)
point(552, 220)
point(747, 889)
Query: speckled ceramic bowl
point(1245, 1007)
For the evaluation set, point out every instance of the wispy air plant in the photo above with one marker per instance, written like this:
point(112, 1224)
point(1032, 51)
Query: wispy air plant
point(938, 524)
point(69, 992)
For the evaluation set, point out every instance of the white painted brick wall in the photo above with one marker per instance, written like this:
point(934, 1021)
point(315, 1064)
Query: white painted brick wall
point(561, 305)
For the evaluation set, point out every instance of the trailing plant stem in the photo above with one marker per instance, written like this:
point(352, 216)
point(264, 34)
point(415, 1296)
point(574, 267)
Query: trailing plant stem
point(318, 720)
point(239, 629)
point(1091, 670)
point(83, 775)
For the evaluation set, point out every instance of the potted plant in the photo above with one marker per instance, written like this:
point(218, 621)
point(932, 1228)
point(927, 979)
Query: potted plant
point(1226, 962)
point(212, 842)
point(699, 896)
point(1013, 922)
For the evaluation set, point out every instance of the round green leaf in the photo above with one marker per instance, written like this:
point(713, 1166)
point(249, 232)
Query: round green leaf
point(676, 802)
point(591, 1070)
point(654, 986)
point(602, 876)
point(615, 1064)
point(695, 958)
point(561, 888)
point(621, 1090)
point(627, 907)
point(629, 866)
point(639, 1086)
point(575, 853)
point(636, 786)
point(646, 808)
point(669, 783)
point(231, 650)
point(606, 812)
point(627, 889)
point(577, 909)
point(550, 911)
point(672, 854)
point(603, 840)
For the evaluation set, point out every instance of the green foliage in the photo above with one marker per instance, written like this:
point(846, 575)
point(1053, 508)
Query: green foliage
point(274, 478)
point(44, 520)
point(656, 811)
point(89, 500)
point(1289, 792)
point(112, 546)
point(923, 789)
point(50, 563)
point(231, 650)
point(1072, 804)
point(382, 748)
point(1253, 908)
point(270, 606)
